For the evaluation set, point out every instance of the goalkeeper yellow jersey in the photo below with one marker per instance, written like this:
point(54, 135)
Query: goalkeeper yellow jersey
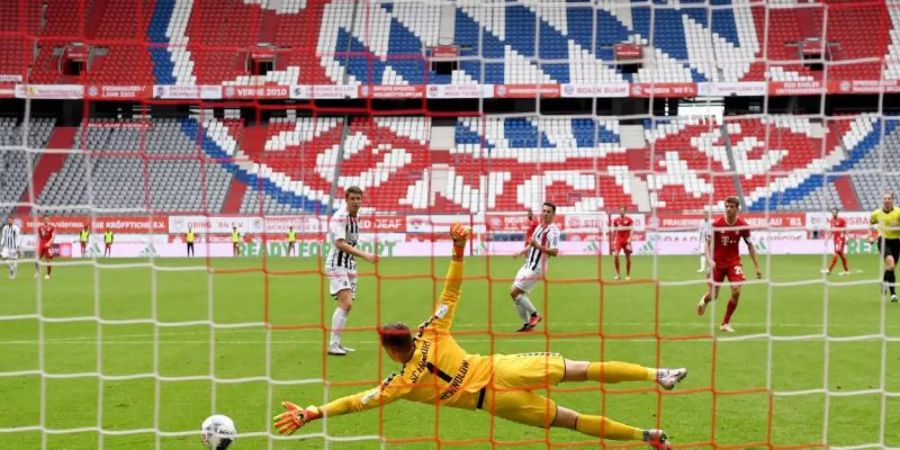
point(440, 371)
point(888, 222)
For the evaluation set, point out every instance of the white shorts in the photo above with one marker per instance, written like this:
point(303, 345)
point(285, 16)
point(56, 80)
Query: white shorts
point(527, 278)
point(341, 280)
point(7, 253)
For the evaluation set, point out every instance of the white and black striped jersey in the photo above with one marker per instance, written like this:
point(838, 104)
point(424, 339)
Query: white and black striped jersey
point(342, 226)
point(9, 236)
point(705, 231)
point(548, 236)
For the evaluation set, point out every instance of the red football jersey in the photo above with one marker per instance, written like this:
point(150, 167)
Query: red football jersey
point(726, 242)
point(622, 227)
point(532, 225)
point(838, 229)
point(46, 233)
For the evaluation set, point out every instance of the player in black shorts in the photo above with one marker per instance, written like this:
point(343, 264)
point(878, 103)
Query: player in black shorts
point(887, 222)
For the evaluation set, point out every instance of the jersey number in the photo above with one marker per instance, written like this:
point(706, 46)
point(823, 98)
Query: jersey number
point(738, 270)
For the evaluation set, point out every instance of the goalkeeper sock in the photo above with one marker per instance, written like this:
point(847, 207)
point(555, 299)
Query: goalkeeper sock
point(602, 427)
point(614, 372)
point(338, 320)
point(520, 308)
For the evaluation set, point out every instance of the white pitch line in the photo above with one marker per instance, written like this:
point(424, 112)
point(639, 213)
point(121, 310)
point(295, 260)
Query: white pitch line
point(144, 338)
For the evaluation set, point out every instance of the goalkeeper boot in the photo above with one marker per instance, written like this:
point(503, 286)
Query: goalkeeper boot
point(657, 439)
point(668, 378)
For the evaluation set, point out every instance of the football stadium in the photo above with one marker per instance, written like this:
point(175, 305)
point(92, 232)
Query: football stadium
point(438, 224)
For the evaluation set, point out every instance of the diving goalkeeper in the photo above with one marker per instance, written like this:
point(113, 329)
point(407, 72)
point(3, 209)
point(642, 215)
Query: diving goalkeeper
point(436, 370)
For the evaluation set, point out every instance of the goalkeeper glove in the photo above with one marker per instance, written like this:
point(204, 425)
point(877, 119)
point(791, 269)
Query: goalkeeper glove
point(295, 417)
point(459, 234)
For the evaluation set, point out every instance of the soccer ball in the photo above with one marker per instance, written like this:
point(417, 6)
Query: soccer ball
point(218, 432)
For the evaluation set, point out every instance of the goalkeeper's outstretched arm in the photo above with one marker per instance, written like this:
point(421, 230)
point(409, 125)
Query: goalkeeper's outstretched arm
point(295, 417)
point(393, 388)
point(443, 317)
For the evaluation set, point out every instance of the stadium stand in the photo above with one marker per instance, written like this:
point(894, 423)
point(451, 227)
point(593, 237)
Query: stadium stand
point(283, 165)
point(572, 43)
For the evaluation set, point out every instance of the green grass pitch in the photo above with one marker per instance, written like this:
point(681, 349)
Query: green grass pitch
point(121, 290)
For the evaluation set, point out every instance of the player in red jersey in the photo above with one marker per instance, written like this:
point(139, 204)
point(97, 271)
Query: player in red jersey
point(837, 226)
point(724, 255)
point(532, 225)
point(621, 230)
point(46, 233)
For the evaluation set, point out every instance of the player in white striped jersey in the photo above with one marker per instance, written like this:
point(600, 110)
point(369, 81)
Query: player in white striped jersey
point(705, 234)
point(544, 243)
point(343, 233)
point(10, 235)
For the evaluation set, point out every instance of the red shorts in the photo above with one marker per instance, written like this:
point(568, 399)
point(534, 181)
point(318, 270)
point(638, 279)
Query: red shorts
point(46, 253)
point(623, 246)
point(733, 273)
point(839, 246)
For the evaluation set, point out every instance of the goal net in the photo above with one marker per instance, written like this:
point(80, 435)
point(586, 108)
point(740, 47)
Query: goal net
point(203, 147)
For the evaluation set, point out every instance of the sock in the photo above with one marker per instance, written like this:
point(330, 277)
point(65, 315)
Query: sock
point(13, 269)
point(844, 262)
point(628, 266)
point(702, 262)
point(526, 304)
point(520, 308)
point(49, 269)
point(833, 262)
point(707, 298)
point(732, 305)
point(617, 265)
point(602, 427)
point(614, 372)
point(338, 320)
point(889, 277)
